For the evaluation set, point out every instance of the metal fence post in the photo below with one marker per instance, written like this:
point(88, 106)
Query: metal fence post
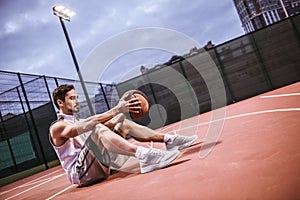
point(33, 121)
point(56, 82)
point(261, 60)
point(8, 142)
point(104, 95)
point(27, 121)
point(48, 91)
point(222, 71)
point(196, 104)
point(154, 97)
point(295, 30)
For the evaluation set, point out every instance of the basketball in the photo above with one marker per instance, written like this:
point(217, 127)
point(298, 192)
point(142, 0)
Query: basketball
point(144, 105)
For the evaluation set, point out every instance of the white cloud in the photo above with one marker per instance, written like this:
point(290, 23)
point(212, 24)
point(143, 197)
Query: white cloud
point(148, 7)
point(10, 27)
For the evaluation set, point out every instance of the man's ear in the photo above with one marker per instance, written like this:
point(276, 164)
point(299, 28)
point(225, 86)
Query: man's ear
point(60, 102)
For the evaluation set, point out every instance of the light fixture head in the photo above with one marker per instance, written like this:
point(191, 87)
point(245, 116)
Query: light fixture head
point(63, 12)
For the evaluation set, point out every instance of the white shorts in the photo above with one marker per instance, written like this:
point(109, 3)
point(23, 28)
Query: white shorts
point(87, 169)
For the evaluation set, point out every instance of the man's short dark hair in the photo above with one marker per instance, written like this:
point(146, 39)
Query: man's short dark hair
point(60, 93)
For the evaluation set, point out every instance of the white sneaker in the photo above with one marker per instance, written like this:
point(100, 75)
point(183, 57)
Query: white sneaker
point(157, 159)
point(181, 142)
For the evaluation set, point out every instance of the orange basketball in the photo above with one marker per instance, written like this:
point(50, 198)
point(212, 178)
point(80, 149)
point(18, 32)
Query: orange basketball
point(144, 105)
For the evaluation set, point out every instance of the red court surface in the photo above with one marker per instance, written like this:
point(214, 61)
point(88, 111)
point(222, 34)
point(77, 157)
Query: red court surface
point(257, 156)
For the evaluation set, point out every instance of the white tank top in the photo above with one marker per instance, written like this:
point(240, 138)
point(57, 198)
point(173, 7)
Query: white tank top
point(69, 151)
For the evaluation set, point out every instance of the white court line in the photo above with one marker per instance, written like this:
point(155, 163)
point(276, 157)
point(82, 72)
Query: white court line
point(259, 112)
point(35, 182)
point(61, 192)
point(51, 179)
point(244, 115)
point(28, 183)
point(280, 95)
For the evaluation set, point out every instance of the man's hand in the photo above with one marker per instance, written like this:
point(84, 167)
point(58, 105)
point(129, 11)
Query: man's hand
point(125, 104)
point(132, 105)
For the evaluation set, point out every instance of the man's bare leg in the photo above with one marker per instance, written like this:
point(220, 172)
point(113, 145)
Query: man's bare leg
point(150, 159)
point(123, 126)
point(113, 142)
point(139, 132)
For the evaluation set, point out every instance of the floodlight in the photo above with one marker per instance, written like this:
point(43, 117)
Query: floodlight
point(63, 12)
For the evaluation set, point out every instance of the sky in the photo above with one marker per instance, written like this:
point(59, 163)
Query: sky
point(33, 42)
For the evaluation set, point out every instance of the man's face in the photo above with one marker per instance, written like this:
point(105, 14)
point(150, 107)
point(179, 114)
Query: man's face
point(71, 104)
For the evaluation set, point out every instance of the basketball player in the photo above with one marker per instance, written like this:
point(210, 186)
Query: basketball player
point(107, 131)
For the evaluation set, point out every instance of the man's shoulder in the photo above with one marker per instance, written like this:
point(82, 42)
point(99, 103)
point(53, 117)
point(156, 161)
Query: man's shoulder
point(58, 124)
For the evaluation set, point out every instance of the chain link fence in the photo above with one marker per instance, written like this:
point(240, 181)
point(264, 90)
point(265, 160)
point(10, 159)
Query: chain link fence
point(26, 112)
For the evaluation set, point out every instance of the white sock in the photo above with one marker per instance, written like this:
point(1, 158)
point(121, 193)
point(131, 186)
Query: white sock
point(169, 138)
point(140, 152)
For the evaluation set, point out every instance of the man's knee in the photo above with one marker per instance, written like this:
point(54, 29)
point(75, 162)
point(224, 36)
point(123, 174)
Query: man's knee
point(119, 117)
point(100, 129)
point(115, 120)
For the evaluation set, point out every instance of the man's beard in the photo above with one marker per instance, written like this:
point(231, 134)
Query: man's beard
point(74, 110)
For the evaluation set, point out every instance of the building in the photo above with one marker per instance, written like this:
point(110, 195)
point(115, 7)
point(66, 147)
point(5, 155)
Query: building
point(256, 14)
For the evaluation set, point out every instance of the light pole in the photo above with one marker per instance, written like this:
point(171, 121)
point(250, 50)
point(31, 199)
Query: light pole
point(66, 14)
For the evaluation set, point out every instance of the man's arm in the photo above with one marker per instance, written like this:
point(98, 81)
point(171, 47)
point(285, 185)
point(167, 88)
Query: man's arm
point(131, 105)
point(62, 130)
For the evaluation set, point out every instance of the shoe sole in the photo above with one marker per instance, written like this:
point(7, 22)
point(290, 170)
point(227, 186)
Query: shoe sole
point(184, 146)
point(188, 144)
point(161, 165)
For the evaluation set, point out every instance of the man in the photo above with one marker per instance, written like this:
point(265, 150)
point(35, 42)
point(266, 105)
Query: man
point(107, 132)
